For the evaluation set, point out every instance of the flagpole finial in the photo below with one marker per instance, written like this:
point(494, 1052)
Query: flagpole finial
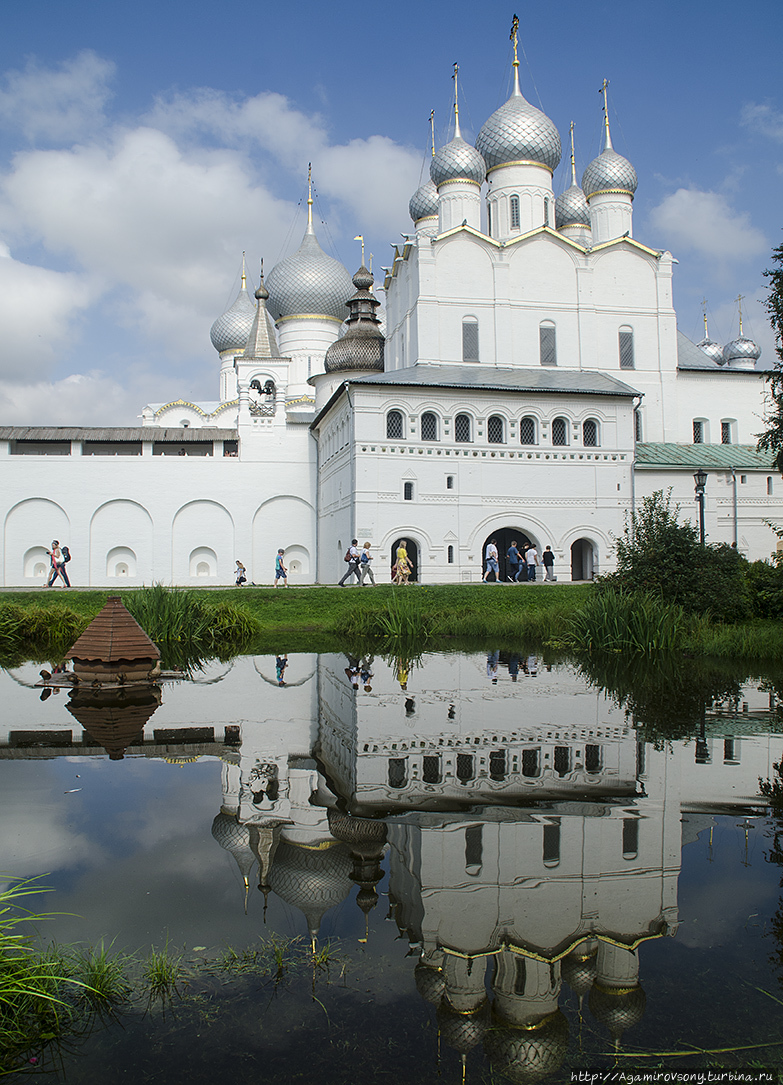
point(360, 237)
point(244, 273)
point(432, 130)
point(573, 156)
point(740, 299)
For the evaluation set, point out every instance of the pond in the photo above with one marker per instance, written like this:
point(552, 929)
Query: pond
point(475, 867)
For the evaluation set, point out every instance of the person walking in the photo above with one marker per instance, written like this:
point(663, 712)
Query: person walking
point(531, 559)
point(281, 573)
point(58, 560)
point(491, 557)
point(365, 560)
point(402, 566)
point(513, 561)
point(548, 561)
point(353, 557)
point(240, 573)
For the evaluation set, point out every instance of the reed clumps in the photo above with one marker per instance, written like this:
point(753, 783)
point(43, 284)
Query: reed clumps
point(38, 630)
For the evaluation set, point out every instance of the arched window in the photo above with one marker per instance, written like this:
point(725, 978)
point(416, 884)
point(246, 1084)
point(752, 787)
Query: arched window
point(547, 342)
point(394, 425)
point(470, 340)
point(527, 431)
point(546, 210)
point(699, 431)
point(514, 216)
point(462, 428)
point(495, 430)
point(429, 427)
point(727, 431)
point(559, 432)
point(450, 555)
point(590, 433)
point(627, 360)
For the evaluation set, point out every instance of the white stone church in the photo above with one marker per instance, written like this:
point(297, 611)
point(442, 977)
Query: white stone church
point(531, 385)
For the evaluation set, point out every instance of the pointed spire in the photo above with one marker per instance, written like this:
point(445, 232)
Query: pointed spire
point(262, 342)
point(244, 273)
point(432, 130)
point(514, 35)
point(740, 298)
point(704, 314)
point(607, 135)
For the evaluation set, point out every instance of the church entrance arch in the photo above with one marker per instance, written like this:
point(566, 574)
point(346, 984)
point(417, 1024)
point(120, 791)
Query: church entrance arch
point(503, 537)
point(582, 560)
point(413, 555)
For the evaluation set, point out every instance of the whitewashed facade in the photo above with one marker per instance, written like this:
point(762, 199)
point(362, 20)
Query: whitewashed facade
point(533, 386)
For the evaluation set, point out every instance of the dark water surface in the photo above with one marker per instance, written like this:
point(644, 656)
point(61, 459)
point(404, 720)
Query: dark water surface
point(509, 868)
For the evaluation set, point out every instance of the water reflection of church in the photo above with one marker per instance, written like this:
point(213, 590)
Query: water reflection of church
point(533, 841)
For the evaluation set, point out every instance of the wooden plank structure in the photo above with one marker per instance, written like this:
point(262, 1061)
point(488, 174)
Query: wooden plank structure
point(115, 648)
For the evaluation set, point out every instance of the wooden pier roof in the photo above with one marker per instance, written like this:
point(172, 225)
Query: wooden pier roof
point(113, 635)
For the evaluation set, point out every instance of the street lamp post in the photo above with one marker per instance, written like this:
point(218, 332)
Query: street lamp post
point(700, 479)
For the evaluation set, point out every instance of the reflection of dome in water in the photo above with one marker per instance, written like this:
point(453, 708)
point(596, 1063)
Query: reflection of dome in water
point(463, 1031)
point(311, 880)
point(362, 835)
point(578, 971)
point(617, 1008)
point(234, 838)
point(526, 1054)
point(430, 982)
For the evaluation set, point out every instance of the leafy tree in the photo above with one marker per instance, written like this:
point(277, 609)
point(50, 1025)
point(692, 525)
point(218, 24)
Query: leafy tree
point(661, 556)
point(771, 440)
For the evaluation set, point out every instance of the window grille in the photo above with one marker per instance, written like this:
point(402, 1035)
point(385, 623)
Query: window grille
point(548, 344)
point(637, 420)
point(551, 847)
point(464, 767)
point(527, 431)
point(592, 758)
point(562, 760)
point(430, 770)
point(429, 427)
point(590, 433)
point(514, 212)
point(495, 429)
point(394, 425)
point(470, 341)
point(559, 432)
point(462, 427)
point(497, 764)
point(407, 491)
point(698, 432)
point(397, 771)
point(530, 762)
point(449, 482)
point(626, 351)
point(450, 557)
point(725, 433)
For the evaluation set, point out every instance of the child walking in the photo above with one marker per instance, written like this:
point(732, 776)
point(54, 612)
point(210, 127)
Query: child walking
point(281, 573)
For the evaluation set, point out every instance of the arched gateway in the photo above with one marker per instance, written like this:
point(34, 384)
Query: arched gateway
point(503, 538)
point(413, 556)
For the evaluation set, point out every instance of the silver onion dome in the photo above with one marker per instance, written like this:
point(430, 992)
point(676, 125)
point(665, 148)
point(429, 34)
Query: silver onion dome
point(457, 161)
point(713, 350)
point(230, 331)
point(362, 345)
point(430, 982)
point(234, 837)
point(618, 1009)
point(424, 202)
point(518, 132)
point(571, 208)
point(741, 350)
point(312, 880)
point(309, 283)
point(529, 1052)
point(609, 172)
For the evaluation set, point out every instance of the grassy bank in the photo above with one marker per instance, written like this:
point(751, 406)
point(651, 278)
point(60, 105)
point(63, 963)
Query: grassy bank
point(187, 623)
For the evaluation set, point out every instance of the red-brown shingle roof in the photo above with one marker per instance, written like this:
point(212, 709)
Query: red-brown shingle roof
point(113, 635)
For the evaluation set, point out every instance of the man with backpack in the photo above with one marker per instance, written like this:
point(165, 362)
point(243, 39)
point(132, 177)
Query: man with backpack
point(353, 557)
point(59, 558)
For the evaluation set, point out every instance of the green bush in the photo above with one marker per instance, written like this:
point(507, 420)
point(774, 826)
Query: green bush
point(662, 557)
point(615, 621)
point(765, 585)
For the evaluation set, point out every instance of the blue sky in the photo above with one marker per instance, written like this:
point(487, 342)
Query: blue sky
point(144, 146)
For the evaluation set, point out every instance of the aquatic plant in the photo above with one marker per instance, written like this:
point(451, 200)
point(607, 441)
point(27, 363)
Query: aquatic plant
point(103, 974)
point(617, 621)
point(163, 972)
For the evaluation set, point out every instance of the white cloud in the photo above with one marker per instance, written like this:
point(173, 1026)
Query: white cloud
point(763, 119)
point(705, 223)
point(57, 105)
point(38, 310)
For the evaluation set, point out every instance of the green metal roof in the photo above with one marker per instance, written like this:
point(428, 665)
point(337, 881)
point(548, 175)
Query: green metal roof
point(714, 457)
